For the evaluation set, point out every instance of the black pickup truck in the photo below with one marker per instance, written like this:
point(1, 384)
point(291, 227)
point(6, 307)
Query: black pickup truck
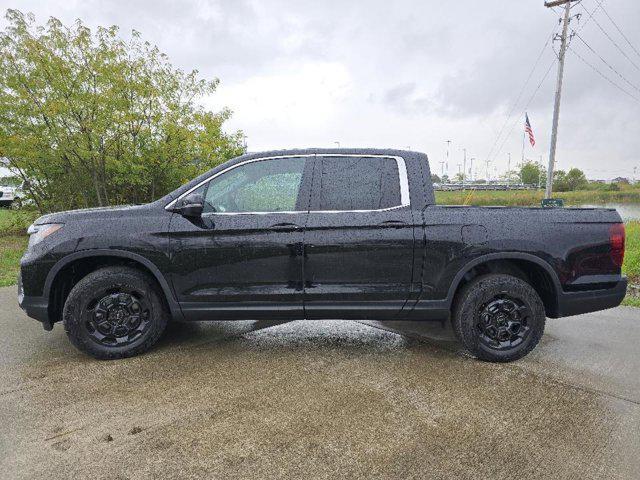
point(319, 234)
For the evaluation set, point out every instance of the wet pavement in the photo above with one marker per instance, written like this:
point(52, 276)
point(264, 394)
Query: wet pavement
point(321, 400)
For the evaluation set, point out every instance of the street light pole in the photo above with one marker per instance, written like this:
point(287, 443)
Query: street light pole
point(556, 107)
point(464, 168)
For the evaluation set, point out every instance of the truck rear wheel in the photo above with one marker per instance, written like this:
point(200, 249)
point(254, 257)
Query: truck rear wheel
point(115, 312)
point(498, 318)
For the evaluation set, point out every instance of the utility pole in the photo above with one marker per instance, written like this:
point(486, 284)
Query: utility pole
point(464, 168)
point(471, 168)
point(556, 107)
point(448, 142)
point(509, 170)
point(441, 170)
point(540, 174)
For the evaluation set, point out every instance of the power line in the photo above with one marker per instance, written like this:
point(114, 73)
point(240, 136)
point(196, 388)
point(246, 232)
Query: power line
point(620, 31)
point(591, 17)
point(515, 104)
point(603, 75)
point(525, 109)
point(606, 63)
point(591, 14)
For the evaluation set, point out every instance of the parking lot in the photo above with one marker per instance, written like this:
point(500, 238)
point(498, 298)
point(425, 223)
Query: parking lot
point(321, 400)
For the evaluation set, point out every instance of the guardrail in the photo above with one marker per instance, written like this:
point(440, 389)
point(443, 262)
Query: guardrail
point(483, 186)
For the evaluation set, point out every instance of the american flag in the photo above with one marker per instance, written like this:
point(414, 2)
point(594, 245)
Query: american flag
point(529, 130)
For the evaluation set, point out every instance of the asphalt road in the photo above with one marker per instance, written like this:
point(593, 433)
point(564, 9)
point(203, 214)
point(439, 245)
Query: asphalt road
point(321, 400)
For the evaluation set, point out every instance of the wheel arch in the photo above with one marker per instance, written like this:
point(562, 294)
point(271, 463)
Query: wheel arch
point(536, 271)
point(61, 279)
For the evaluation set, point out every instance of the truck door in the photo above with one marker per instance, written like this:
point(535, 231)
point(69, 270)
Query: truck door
point(243, 258)
point(359, 238)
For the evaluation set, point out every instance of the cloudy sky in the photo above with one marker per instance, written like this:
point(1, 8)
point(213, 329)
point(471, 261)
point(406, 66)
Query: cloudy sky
point(405, 74)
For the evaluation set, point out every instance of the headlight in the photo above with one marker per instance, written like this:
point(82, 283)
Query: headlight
point(37, 233)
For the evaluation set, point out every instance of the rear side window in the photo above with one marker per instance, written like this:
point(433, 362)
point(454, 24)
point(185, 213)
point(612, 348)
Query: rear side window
point(359, 183)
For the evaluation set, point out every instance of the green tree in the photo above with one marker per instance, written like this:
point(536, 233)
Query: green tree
point(89, 119)
point(435, 178)
point(560, 181)
point(574, 179)
point(532, 173)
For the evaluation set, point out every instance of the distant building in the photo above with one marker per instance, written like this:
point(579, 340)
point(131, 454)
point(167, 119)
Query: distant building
point(620, 180)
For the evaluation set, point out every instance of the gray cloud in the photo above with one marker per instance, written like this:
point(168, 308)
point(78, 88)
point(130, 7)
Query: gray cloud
point(406, 99)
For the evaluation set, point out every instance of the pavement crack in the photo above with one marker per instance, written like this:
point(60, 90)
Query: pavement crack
point(17, 389)
point(62, 434)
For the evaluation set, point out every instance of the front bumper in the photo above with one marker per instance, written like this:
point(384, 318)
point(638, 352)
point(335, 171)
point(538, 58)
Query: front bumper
point(34, 307)
point(576, 303)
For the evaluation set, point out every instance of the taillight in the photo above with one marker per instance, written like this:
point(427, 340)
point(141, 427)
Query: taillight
point(616, 240)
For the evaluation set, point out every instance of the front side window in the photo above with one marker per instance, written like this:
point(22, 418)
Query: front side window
point(359, 183)
point(262, 186)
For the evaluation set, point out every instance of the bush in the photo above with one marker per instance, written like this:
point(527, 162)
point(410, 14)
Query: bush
point(16, 222)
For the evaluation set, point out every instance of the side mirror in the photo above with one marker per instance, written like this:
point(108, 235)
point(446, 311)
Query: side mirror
point(191, 205)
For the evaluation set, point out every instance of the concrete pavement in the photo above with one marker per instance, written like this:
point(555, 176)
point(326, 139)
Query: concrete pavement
point(321, 400)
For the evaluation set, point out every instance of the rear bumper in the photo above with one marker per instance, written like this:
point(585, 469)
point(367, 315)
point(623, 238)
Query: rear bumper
point(576, 303)
point(35, 307)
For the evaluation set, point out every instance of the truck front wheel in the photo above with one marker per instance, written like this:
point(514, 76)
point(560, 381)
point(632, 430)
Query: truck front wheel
point(115, 312)
point(498, 318)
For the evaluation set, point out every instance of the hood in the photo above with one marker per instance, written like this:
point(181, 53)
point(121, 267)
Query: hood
point(97, 213)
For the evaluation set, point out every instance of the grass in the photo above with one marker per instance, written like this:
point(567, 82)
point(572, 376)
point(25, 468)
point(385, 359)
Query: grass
point(11, 249)
point(631, 265)
point(16, 222)
point(631, 301)
point(533, 197)
point(13, 241)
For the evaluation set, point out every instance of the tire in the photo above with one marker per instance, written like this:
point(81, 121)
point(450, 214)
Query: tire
point(115, 312)
point(498, 318)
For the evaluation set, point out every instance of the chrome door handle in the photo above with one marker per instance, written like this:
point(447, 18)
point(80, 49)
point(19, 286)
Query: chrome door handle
point(284, 227)
point(393, 223)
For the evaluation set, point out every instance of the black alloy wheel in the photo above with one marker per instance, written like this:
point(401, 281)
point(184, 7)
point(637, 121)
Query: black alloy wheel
point(115, 312)
point(118, 318)
point(503, 322)
point(498, 317)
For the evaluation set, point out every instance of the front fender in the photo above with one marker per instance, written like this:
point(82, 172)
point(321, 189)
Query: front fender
point(174, 307)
